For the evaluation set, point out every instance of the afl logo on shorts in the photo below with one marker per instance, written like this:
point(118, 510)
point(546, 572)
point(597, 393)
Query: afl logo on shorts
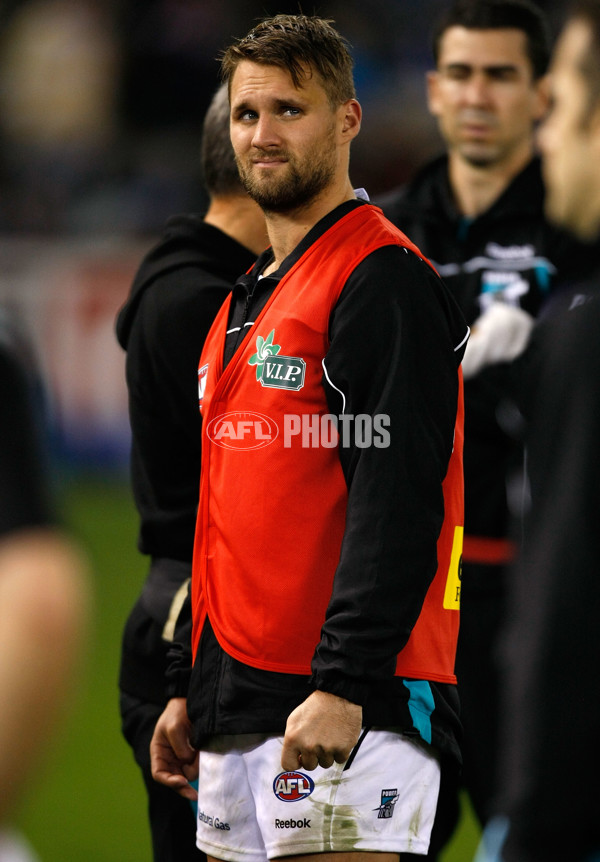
point(292, 786)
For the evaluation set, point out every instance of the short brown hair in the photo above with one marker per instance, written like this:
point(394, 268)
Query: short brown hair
point(302, 45)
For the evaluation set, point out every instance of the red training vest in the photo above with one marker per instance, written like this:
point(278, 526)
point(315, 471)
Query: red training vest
point(272, 512)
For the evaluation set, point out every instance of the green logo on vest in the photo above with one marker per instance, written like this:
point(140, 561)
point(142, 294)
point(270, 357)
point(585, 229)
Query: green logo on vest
point(279, 372)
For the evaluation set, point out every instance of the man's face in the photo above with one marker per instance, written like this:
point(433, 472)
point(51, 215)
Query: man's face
point(484, 96)
point(284, 138)
point(570, 141)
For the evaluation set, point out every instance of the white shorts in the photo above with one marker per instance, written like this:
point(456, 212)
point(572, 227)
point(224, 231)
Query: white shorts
point(250, 810)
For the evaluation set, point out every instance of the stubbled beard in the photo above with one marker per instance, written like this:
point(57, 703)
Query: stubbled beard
point(479, 161)
point(480, 157)
point(294, 190)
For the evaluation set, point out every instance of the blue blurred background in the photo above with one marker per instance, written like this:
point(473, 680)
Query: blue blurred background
point(101, 105)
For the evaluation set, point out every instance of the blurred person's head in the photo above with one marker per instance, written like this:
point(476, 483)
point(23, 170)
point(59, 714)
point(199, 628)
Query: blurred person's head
point(230, 207)
point(490, 88)
point(293, 112)
point(570, 137)
point(219, 168)
point(59, 64)
point(500, 15)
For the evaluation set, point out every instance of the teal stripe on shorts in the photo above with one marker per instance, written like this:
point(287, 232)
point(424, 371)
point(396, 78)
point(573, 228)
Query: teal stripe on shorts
point(421, 706)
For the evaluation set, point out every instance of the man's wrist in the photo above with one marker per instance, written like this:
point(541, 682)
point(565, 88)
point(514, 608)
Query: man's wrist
point(342, 686)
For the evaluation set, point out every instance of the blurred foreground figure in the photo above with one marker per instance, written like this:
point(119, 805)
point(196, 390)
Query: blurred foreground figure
point(551, 715)
point(43, 594)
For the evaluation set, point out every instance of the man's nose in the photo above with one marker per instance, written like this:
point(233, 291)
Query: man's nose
point(265, 132)
point(477, 90)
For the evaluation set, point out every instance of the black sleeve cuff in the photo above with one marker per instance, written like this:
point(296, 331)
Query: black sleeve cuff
point(178, 683)
point(350, 689)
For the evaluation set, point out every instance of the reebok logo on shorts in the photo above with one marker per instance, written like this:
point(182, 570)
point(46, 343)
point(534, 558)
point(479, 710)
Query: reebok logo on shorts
point(292, 824)
point(292, 786)
point(388, 800)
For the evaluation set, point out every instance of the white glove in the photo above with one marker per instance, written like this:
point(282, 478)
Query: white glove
point(500, 334)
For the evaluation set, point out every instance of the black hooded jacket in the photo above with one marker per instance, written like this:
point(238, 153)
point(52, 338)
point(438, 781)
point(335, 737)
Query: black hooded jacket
point(510, 253)
point(179, 287)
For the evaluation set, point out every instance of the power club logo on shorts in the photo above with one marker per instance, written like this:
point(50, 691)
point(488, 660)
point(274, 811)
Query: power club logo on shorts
point(292, 786)
point(388, 800)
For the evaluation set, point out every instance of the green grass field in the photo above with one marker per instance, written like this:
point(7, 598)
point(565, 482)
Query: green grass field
point(87, 803)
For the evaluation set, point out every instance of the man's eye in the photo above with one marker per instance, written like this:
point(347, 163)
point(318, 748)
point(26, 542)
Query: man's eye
point(247, 115)
point(290, 110)
point(457, 73)
point(503, 75)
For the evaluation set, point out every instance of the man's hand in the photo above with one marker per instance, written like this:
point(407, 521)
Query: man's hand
point(323, 729)
point(174, 761)
point(500, 334)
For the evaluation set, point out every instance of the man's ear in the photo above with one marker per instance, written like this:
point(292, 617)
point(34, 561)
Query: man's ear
point(351, 119)
point(542, 97)
point(432, 80)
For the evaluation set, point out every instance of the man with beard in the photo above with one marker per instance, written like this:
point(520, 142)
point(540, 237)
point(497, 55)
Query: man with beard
point(477, 212)
point(551, 706)
point(322, 697)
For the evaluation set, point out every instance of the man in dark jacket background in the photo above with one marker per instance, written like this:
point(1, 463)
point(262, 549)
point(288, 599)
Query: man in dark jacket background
point(180, 286)
point(478, 213)
point(548, 795)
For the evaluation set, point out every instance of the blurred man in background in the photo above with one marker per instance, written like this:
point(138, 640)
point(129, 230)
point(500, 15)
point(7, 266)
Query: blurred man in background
point(174, 298)
point(477, 212)
point(44, 599)
point(551, 709)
